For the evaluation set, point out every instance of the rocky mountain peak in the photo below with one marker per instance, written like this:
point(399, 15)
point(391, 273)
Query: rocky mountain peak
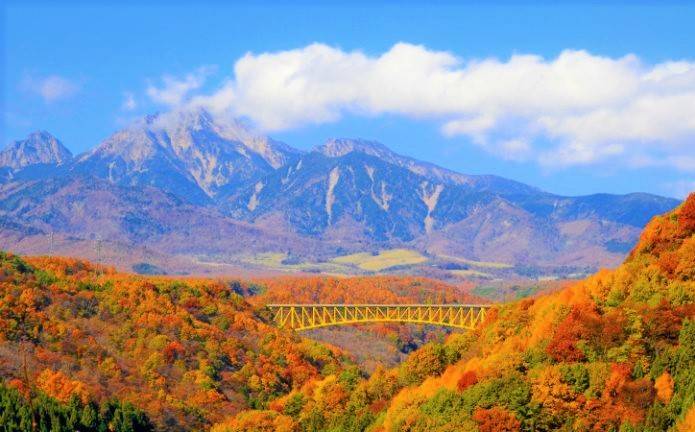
point(342, 146)
point(338, 147)
point(190, 152)
point(198, 129)
point(193, 119)
point(39, 147)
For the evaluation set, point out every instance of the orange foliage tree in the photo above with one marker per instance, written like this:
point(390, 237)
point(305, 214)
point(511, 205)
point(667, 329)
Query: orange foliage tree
point(496, 419)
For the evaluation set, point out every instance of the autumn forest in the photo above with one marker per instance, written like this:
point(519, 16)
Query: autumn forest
point(83, 347)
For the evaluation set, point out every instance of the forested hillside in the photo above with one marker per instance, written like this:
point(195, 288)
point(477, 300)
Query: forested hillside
point(372, 289)
point(85, 348)
point(82, 345)
point(615, 352)
point(186, 353)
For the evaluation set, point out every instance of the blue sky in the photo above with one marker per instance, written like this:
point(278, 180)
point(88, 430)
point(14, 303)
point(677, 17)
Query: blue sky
point(82, 71)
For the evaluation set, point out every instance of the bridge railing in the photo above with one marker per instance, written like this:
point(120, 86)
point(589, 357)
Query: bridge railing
point(308, 316)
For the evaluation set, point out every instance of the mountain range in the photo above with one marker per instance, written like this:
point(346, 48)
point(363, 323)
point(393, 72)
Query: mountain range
point(187, 192)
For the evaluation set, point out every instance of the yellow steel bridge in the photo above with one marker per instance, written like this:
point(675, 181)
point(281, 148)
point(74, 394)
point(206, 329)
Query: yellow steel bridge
point(310, 316)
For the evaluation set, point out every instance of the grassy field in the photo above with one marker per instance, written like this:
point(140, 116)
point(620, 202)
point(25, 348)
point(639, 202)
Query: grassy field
point(367, 262)
point(471, 273)
point(498, 293)
point(269, 259)
point(480, 264)
point(383, 260)
point(274, 261)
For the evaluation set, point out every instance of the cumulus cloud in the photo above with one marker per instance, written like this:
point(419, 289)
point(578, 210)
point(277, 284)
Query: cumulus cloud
point(50, 88)
point(174, 91)
point(576, 108)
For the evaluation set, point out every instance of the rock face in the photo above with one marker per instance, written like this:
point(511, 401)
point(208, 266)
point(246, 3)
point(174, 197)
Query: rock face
point(39, 147)
point(187, 183)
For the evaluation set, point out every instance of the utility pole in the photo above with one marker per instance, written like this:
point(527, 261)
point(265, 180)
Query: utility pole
point(50, 243)
point(97, 250)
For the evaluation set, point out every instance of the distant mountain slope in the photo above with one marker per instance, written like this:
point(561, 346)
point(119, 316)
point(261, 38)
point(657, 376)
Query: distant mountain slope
point(183, 182)
point(361, 190)
point(318, 192)
point(93, 208)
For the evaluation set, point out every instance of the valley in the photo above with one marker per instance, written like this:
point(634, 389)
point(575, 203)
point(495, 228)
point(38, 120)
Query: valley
point(613, 351)
point(185, 192)
point(380, 216)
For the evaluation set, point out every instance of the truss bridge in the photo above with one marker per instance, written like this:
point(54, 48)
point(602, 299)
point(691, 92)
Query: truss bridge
point(310, 316)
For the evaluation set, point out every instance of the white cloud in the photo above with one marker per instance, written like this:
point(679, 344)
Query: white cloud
point(515, 149)
point(50, 88)
point(680, 188)
point(129, 103)
point(577, 108)
point(175, 91)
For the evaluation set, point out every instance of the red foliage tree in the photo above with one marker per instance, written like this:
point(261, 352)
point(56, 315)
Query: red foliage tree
point(496, 419)
point(468, 379)
point(663, 322)
point(173, 350)
point(563, 346)
point(686, 217)
point(584, 323)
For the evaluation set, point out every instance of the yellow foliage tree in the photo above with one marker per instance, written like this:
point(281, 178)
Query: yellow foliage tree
point(688, 423)
point(59, 386)
point(257, 421)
